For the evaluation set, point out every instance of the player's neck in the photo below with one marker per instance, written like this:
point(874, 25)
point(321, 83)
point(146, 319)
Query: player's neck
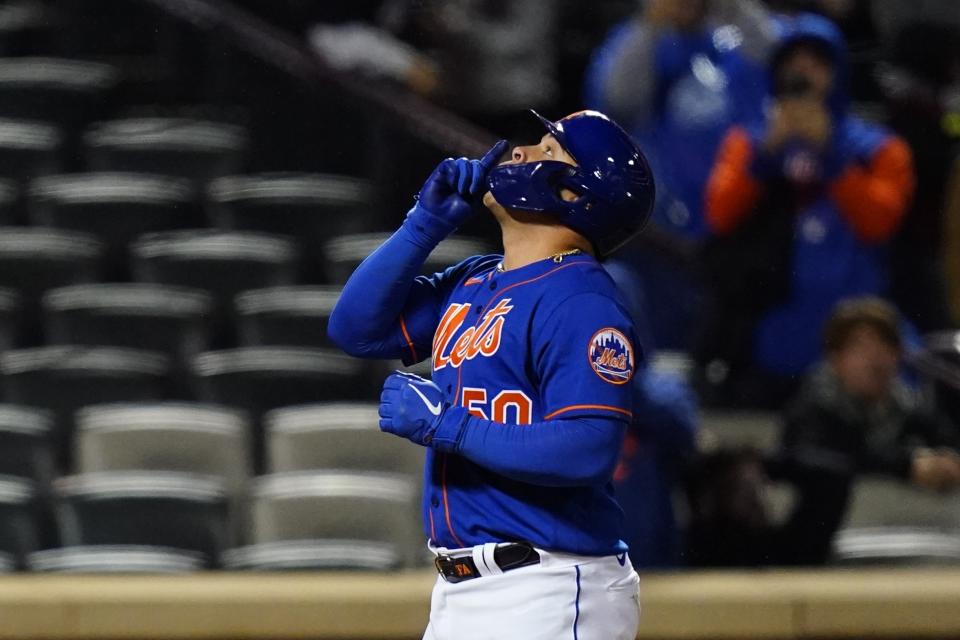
point(530, 241)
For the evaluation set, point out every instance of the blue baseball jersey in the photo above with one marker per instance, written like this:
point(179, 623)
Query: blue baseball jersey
point(549, 341)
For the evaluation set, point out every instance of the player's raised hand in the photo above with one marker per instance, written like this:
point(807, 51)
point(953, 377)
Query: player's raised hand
point(450, 194)
point(411, 407)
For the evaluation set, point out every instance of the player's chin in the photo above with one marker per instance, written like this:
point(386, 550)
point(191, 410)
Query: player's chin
point(491, 204)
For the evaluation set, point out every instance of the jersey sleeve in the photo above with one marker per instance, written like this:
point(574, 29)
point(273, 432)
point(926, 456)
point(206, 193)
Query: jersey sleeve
point(418, 320)
point(585, 356)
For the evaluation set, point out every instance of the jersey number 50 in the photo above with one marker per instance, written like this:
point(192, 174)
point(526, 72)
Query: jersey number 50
point(510, 402)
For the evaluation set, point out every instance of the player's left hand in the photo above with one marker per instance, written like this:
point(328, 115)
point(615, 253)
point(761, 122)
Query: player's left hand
point(411, 407)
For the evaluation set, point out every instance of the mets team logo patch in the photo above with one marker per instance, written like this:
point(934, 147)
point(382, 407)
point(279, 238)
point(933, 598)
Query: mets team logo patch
point(611, 356)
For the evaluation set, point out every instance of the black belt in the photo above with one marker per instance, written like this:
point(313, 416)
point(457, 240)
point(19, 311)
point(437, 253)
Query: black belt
point(508, 557)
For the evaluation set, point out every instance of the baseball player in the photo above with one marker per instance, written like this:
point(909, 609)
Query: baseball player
point(532, 352)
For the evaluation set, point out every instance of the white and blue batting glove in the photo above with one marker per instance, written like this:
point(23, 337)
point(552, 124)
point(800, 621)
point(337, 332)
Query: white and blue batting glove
point(414, 408)
point(449, 196)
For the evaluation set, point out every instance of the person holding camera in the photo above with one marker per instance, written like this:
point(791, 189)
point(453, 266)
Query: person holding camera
point(801, 205)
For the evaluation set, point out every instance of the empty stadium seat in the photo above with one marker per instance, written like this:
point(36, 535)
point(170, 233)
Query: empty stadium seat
point(176, 510)
point(222, 263)
point(114, 559)
point(25, 443)
point(314, 555)
point(309, 207)
point(896, 546)
point(29, 149)
point(116, 207)
point(9, 318)
point(263, 378)
point(285, 316)
point(372, 507)
point(758, 430)
point(59, 90)
point(343, 255)
point(7, 564)
point(35, 260)
point(195, 149)
point(336, 436)
point(65, 378)
point(891, 521)
point(18, 527)
point(171, 320)
point(170, 436)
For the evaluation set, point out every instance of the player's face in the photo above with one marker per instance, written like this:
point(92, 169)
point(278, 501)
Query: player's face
point(547, 149)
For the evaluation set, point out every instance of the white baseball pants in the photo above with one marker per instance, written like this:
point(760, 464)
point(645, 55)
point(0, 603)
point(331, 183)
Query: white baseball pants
point(566, 596)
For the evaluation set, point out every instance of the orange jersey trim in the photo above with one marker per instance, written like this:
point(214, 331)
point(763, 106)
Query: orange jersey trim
point(573, 407)
point(446, 502)
point(406, 336)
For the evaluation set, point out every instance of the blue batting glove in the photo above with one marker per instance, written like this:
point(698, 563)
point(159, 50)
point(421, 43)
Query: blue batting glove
point(449, 195)
point(414, 408)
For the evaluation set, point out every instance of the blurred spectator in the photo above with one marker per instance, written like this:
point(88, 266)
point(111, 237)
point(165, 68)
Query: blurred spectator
point(657, 448)
point(803, 203)
point(922, 88)
point(495, 58)
point(677, 75)
point(729, 524)
point(854, 416)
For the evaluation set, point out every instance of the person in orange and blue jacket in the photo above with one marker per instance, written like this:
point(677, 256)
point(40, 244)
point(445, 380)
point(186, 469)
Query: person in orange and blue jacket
point(803, 202)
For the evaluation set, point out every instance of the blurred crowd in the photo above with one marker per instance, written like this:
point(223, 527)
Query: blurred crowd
point(805, 238)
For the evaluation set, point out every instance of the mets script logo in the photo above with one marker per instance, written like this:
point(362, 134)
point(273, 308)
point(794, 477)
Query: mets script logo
point(611, 356)
point(479, 340)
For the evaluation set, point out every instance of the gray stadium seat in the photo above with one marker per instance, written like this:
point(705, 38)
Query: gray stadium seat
point(896, 546)
point(23, 25)
point(166, 509)
point(169, 436)
point(65, 378)
point(35, 260)
point(9, 318)
point(372, 507)
point(314, 555)
point(114, 559)
point(18, 524)
point(222, 263)
point(25, 448)
point(309, 207)
point(116, 207)
point(336, 436)
point(759, 430)
point(285, 316)
point(263, 378)
point(890, 521)
point(171, 320)
point(195, 149)
point(7, 564)
point(29, 149)
point(59, 90)
point(345, 253)
point(258, 379)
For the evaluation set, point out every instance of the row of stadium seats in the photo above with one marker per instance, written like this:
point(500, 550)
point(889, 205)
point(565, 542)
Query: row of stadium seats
point(179, 476)
point(217, 265)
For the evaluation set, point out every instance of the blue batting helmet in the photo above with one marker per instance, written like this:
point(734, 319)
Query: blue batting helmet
point(612, 181)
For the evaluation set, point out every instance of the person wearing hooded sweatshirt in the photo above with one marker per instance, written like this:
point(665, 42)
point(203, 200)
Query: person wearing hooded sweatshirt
point(803, 202)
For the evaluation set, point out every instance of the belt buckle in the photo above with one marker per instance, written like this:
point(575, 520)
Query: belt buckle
point(453, 571)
